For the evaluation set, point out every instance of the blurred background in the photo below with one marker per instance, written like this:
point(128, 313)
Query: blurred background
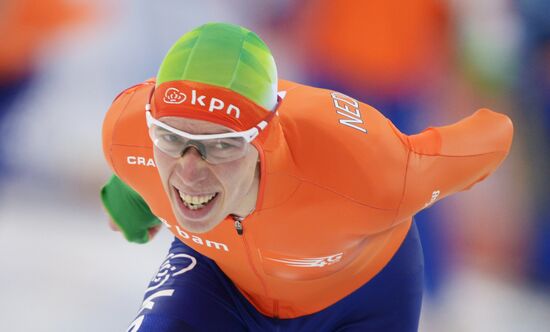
point(420, 62)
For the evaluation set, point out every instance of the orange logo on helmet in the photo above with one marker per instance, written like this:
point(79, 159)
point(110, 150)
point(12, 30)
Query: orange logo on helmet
point(174, 96)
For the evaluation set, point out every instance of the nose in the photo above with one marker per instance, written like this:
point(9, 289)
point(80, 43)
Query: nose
point(192, 168)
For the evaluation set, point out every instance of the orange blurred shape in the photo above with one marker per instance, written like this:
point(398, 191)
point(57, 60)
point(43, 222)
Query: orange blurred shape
point(380, 42)
point(26, 25)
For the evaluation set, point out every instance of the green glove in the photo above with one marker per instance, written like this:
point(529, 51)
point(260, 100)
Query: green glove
point(128, 210)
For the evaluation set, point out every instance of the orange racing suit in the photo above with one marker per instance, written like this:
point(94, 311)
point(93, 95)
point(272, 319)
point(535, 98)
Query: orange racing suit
point(339, 185)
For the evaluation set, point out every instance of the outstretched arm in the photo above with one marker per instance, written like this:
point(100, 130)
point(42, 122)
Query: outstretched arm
point(449, 159)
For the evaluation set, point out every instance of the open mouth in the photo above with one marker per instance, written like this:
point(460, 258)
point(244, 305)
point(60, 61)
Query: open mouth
point(196, 207)
point(196, 202)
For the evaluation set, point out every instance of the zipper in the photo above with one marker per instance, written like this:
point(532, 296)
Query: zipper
point(238, 224)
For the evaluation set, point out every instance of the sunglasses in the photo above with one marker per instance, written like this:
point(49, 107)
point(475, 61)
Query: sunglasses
point(214, 148)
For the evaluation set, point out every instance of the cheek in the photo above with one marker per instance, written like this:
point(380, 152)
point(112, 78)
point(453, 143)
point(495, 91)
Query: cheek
point(237, 176)
point(164, 164)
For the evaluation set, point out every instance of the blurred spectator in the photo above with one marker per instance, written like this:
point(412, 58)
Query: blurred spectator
point(533, 96)
point(379, 48)
point(26, 26)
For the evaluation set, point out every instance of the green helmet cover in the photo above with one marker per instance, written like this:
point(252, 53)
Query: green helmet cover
point(227, 56)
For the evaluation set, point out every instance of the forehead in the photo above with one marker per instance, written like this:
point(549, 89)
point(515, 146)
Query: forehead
point(194, 126)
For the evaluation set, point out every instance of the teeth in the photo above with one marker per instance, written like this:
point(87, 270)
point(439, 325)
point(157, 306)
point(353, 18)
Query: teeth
point(195, 202)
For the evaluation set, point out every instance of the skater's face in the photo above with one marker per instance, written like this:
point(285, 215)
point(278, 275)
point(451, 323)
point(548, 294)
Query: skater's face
point(203, 194)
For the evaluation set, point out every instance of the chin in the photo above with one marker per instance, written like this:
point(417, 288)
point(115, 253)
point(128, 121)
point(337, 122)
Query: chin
point(197, 227)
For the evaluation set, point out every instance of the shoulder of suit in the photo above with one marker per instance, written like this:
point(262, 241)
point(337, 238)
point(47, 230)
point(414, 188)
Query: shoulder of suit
point(124, 123)
point(340, 143)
